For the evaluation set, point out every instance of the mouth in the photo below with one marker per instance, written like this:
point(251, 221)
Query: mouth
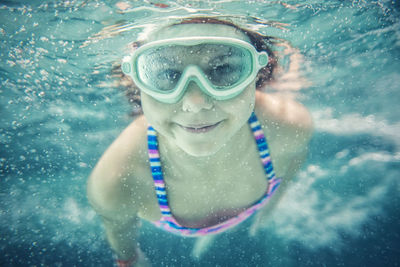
point(200, 128)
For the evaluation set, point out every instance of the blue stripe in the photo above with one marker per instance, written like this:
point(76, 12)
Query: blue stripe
point(155, 160)
point(160, 188)
point(157, 176)
point(262, 144)
point(150, 146)
point(161, 196)
point(156, 169)
point(275, 187)
point(252, 118)
point(152, 138)
point(174, 225)
point(268, 168)
point(213, 229)
point(262, 147)
point(154, 143)
point(261, 140)
point(266, 154)
point(268, 165)
point(162, 201)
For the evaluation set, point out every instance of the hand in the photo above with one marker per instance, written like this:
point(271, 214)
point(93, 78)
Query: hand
point(140, 260)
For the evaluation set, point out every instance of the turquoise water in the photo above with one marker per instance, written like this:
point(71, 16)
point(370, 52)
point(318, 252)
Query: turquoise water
point(60, 109)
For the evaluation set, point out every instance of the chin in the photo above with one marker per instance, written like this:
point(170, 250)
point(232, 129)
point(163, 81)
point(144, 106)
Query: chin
point(201, 150)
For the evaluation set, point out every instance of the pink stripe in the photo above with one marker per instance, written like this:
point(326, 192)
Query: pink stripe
point(224, 225)
point(157, 223)
point(203, 231)
point(227, 224)
point(257, 206)
point(266, 160)
point(272, 184)
point(258, 134)
point(185, 231)
point(159, 184)
point(153, 151)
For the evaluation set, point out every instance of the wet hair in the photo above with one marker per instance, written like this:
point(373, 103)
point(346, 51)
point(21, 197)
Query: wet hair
point(259, 41)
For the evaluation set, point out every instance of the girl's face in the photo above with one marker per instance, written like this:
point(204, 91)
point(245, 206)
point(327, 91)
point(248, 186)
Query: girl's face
point(198, 124)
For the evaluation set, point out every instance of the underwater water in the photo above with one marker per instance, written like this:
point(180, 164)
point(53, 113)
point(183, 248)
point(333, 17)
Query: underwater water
point(60, 109)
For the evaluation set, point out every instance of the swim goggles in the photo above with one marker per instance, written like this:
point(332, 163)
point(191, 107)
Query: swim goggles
point(222, 67)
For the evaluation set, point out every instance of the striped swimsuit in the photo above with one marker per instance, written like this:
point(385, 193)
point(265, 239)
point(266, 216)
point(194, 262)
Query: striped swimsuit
point(168, 222)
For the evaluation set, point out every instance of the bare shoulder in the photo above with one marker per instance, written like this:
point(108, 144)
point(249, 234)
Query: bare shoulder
point(115, 184)
point(288, 122)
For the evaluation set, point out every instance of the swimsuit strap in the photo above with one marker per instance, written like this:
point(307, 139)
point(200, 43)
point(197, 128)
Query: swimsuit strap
point(156, 171)
point(262, 146)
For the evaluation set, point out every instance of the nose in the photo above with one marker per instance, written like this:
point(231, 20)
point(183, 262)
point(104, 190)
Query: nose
point(195, 100)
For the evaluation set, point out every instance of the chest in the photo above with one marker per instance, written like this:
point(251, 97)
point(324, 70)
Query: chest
point(206, 197)
point(210, 196)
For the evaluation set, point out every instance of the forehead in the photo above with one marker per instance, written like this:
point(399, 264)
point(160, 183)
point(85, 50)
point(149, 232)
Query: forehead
point(190, 30)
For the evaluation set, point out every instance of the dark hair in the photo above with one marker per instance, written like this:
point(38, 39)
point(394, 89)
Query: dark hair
point(259, 41)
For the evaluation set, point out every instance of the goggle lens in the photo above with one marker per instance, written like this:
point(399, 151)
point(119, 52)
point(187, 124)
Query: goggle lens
point(223, 65)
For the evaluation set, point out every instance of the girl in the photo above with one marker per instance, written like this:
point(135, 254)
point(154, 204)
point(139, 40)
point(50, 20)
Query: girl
point(198, 161)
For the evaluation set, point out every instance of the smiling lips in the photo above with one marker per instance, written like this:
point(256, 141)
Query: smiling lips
point(203, 128)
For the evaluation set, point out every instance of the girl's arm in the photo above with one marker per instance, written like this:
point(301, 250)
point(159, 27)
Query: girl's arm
point(291, 128)
point(112, 197)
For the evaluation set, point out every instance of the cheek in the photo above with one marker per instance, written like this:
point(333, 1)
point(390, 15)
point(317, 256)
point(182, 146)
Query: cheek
point(244, 103)
point(152, 109)
point(240, 108)
point(159, 115)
